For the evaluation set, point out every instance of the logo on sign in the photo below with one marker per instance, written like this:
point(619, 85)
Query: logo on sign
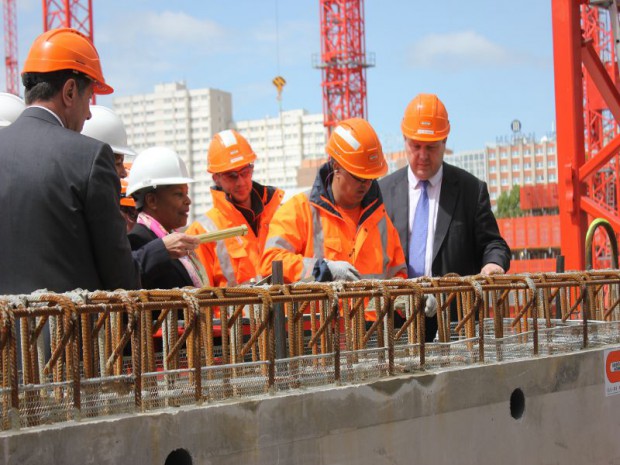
point(612, 372)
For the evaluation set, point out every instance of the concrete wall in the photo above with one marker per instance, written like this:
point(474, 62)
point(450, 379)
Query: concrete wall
point(452, 417)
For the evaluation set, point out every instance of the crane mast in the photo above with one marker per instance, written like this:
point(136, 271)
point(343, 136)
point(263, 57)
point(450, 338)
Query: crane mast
point(343, 61)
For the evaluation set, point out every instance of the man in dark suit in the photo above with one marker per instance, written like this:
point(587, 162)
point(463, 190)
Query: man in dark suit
point(61, 228)
point(442, 213)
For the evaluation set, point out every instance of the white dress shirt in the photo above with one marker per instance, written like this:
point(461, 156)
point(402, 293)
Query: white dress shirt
point(433, 190)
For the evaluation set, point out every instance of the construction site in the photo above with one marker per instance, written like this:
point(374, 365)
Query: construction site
point(524, 368)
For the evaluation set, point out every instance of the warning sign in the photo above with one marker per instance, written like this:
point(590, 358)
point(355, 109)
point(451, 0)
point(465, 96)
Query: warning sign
point(612, 372)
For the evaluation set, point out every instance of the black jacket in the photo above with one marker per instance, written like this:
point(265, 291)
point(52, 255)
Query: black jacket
point(158, 270)
point(466, 234)
point(60, 224)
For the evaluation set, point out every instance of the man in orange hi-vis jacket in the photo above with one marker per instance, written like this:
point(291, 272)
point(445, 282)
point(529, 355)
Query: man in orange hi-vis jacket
point(339, 230)
point(237, 200)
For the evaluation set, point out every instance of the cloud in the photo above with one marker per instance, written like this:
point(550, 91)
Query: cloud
point(457, 51)
point(181, 28)
point(164, 31)
point(141, 48)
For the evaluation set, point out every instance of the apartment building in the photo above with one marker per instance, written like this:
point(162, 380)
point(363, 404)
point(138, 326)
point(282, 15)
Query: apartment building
point(182, 119)
point(281, 144)
point(520, 162)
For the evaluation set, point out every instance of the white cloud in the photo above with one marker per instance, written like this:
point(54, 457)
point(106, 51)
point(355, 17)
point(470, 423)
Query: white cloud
point(180, 27)
point(163, 31)
point(457, 51)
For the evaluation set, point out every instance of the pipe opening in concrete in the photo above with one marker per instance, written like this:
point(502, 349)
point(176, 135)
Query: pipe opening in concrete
point(179, 457)
point(517, 404)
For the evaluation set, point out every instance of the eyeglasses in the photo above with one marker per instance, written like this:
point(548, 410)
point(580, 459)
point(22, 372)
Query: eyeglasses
point(244, 173)
point(360, 180)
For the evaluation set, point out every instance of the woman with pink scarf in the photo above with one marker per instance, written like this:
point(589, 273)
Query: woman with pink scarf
point(158, 182)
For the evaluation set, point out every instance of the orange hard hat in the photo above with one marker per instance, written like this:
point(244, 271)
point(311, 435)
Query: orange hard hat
point(229, 150)
point(126, 200)
point(66, 48)
point(355, 146)
point(426, 119)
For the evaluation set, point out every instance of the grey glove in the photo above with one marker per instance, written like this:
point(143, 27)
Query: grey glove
point(342, 271)
point(430, 306)
point(401, 303)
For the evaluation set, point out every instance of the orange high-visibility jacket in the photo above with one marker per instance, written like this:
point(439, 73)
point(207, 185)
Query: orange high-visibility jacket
point(308, 228)
point(235, 260)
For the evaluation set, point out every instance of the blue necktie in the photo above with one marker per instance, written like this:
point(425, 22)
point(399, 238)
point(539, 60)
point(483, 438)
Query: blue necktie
point(419, 231)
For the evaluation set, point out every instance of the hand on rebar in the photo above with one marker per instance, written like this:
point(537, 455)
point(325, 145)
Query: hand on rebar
point(342, 271)
point(401, 304)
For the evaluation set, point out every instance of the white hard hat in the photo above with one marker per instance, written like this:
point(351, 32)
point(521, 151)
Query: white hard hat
point(11, 106)
point(157, 166)
point(107, 126)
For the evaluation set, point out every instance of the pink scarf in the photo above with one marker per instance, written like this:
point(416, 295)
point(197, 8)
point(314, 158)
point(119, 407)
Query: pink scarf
point(191, 263)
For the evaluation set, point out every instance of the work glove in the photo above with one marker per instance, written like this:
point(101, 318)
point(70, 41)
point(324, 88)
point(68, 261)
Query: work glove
point(401, 304)
point(342, 271)
point(430, 306)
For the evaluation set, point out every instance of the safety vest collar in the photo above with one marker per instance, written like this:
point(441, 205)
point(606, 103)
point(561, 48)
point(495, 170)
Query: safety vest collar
point(322, 196)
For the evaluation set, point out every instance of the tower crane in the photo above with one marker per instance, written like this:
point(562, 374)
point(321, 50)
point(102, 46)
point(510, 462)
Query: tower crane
point(343, 61)
point(10, 47)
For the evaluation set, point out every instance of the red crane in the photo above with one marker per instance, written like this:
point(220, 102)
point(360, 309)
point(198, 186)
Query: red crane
point(343, 61)
point(588, 112)
point(69, 13)
point(10, 47)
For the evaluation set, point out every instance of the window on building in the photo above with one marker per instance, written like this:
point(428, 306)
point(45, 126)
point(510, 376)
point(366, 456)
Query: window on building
point(515, 167)
point(504, 181)
point(551, 164)
point(553, 178)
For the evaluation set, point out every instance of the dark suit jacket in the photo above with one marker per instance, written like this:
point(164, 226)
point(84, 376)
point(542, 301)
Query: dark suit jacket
point(158, 270)
point(466, 233)
point(60, 224)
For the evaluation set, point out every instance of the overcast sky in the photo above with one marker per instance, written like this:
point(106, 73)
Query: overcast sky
point(489, 61)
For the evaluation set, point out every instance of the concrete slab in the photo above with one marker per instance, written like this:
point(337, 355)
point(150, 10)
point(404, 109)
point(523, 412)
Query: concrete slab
point(458, 416)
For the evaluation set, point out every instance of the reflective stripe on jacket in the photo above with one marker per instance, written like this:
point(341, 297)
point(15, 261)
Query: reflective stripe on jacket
point(235, 260)
point(308, 228)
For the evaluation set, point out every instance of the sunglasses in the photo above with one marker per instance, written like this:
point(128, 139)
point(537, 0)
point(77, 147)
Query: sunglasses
point(244, 173)
point(360, 180)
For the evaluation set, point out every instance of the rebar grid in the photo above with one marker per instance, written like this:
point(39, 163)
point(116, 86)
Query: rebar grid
point(85, 355)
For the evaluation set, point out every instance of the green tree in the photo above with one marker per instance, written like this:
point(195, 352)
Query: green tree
point(508, 204)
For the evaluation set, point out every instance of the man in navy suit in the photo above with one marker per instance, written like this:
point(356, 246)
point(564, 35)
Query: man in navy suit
point(61, 228)
point(442, 213)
